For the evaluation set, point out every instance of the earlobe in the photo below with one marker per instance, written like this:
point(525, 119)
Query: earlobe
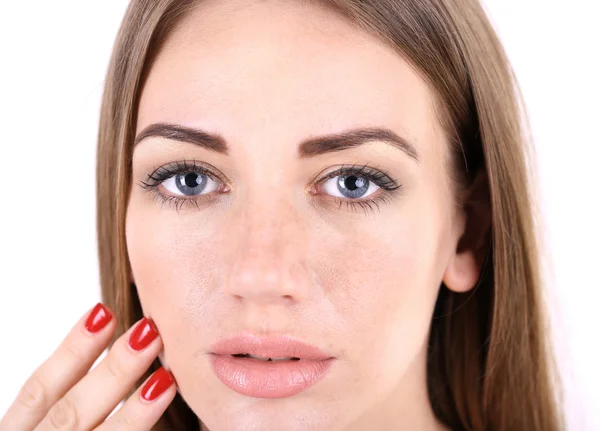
point(462, 272)
point(465, 266)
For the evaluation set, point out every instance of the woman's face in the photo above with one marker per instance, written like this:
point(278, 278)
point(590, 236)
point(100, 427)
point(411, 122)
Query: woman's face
point(262, 243)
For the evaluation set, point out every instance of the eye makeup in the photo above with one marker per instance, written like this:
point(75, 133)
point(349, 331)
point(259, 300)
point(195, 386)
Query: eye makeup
point(353, 179)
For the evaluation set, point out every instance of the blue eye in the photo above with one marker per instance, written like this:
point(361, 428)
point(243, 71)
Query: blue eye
point(187, 182)
point(349, 186)
point(190, 184)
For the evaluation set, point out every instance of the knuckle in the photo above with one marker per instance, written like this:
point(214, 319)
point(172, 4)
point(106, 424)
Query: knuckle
point(125, 421)
point(63, 415)
point(115, 366)
point(33, 394)
point(74, 352)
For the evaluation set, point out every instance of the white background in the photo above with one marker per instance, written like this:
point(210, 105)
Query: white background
point(53, 56)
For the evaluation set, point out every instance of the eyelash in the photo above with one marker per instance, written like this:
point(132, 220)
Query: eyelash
point(389, 188)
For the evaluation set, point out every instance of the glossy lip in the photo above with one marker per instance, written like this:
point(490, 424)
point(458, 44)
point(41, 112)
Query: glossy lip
point(268, 379)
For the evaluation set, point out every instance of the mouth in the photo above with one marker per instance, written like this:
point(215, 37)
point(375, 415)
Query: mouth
point(261, 358)
point(268, 367)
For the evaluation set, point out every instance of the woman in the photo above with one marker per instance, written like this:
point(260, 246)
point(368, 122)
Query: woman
point(321, 214)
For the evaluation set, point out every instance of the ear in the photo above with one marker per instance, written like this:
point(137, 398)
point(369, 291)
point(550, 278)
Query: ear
point(473, 228)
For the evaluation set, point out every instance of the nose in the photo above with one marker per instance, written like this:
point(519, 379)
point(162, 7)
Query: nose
point(268, 244)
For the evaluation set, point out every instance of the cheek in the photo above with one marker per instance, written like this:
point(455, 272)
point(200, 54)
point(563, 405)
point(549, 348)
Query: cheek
point(172, 259)
point(160, 258)
point(385, 287)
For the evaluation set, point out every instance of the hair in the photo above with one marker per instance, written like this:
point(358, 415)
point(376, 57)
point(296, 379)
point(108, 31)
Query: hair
point(490, 361)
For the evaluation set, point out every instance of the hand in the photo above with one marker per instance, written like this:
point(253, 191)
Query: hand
point(62, 394)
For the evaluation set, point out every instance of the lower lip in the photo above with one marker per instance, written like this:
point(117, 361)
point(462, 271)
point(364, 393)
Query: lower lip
point(268, 379)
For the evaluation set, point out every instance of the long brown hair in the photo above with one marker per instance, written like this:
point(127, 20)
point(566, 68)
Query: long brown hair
point(490, 364)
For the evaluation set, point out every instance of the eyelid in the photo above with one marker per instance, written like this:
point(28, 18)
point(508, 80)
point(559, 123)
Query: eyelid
point(379, 176)
point(168, 170)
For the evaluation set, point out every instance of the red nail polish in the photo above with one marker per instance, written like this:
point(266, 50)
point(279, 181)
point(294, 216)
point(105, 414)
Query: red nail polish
point(143, 334)
point(157, 384)
point(98, 318)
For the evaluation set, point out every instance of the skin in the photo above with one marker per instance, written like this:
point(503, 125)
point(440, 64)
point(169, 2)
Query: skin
point(272, 255)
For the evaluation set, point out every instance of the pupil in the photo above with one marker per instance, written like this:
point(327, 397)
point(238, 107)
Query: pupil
point(191, 180)
point(353, 182)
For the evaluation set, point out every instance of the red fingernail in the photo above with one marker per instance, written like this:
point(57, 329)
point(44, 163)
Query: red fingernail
point(157, 384)
point(143, 334)
point(98, 318)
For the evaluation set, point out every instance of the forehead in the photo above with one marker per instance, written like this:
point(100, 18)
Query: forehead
point(253, 67)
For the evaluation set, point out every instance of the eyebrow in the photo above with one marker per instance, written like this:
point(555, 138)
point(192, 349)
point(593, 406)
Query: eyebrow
point(310, 147)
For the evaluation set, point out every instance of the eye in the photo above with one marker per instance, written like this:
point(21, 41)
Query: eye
point(190, 184)
point(351, 183)
point(349, 186)
point(184, 182)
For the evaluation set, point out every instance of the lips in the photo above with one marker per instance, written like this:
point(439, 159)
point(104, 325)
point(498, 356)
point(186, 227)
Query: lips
point(268, 367)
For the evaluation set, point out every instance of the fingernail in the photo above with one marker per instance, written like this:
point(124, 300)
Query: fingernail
point(98, 318)
point(157, 384)
point(143, 334)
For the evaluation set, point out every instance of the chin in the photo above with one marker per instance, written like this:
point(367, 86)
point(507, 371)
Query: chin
point(267, 415)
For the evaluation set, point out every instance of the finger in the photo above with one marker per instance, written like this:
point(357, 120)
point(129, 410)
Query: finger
point(63, 369)
point(92, 399)
point(145, 407)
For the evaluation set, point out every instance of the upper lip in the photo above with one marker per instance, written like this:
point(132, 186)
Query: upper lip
point(268, 347)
